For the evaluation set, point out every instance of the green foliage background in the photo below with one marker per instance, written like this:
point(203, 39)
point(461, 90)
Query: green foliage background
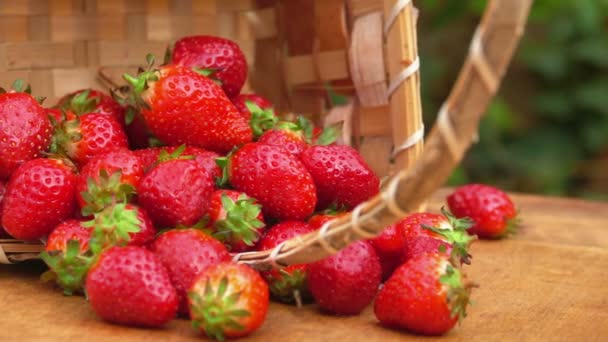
point(547, 131)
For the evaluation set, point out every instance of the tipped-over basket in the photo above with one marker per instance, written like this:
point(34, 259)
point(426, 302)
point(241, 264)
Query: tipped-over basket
point(366, 49)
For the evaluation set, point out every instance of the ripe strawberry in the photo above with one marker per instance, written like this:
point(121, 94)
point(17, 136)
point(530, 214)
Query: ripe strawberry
point(91, 101)
point(130, 286)
point(236, 219)
point(228, 300)
point(25, 131)
point(85, 136)
point(40, 194)
point(66, 256)
point(221, 58)
point(176, 192)
point(106, 178)
point(120, 224)
point(209, 120)
point(426, 295)
point(318, 220)
point(240, 102)
point(186, 253)
point(390, 246)
point(346, 282)
point(292, 139)
point(341, 175)
point(490, 208)
point(288, 284)
point(428, 232)
point(274, 177)
point(206, 159)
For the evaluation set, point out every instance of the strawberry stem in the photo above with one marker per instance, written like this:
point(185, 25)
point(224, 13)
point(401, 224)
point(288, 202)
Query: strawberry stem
point(67, 269)
point(241, 222)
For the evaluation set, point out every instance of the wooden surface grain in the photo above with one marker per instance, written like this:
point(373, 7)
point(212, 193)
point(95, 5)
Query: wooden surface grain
point(547, 283)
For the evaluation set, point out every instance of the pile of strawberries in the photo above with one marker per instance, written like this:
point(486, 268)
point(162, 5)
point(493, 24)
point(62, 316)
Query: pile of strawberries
point(141, 198)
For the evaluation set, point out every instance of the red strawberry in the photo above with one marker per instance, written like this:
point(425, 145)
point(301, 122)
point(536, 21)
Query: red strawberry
point(206, 159)
point(186, 253)
point(257, 111)
point(341, 175)
point(40, 194)
point(290, 139)
point(228, 300)
point(221, 58)
point(138, 133)
point(176, 192)
point(390, 246)
point(490, 208)
point(120, 224)
point(92, 101)
point(288, 284)
point(275, 178)
point(236, 219)
point(346, 282)
point(130, 286)
point(25, 131)
point(209, 120)
point(428, 232)
point(107, 177)
point(54, 114)
point(240, 102)
point(318, 220)
point(66, 255)
point(83, 137)
point(426, 295)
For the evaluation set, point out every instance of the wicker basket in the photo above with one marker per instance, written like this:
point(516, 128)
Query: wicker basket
point(366, 49)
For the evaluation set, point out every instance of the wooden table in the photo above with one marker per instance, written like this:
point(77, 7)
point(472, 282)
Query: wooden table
point(549, 282)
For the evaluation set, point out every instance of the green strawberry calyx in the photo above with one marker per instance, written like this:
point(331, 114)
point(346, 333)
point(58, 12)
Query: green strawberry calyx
point(19, 86)
point(113, 226)
point(456, 235)
point(104, 191)
point(241, 222)
point(81, 103)
point(140, 83)
point(216, 310)
point(289, 286)
point(327, 137)
point(261, 120)
point(458, 291)
point(68, 269)
point(66, 133)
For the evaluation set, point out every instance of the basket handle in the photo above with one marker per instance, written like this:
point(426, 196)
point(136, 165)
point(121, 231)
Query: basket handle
point(491, 51)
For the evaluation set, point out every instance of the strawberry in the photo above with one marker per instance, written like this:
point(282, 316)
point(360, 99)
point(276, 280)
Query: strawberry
point(91, 101)
point(206, 159)
point(228, 300)
point(346, 282)
point(257, 112)
point(176, 192)
point(40, 194)
point(25, 131)
point(130, 286)
point(390, 246)
point(221, 58)
point(426, 295)
point(341, 175)
point(85, 136)
point(186, 253)
point(274, 177)
point(243, 101)
point(319, 219)
point(209, 120)
point(428, 232)
point(236, 219)
point(106, 178)
point(66, 255)
point(285, 135)
point(490, 208)
point(288, 284)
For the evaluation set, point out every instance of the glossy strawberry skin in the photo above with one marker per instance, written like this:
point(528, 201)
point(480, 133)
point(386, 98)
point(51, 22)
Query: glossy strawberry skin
point(414, 299)
point(68, 230)
point(240, 103)
point(292, 141)
point(100, 133)
point(419, 240)
point(105, 104)
point(147, 231)
point(188, 108)
point(222, 55)
point(346, 282)
point(130, 286)
point(341, 175)
point(186, 253)
point(293, 275)
point(25, 131)
point(490, 208)
point(206, 159)
point(175, 192)
point(254, 296)
point(40, 194)
point(390, 246)
point(121, 160)
point(275, 178)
